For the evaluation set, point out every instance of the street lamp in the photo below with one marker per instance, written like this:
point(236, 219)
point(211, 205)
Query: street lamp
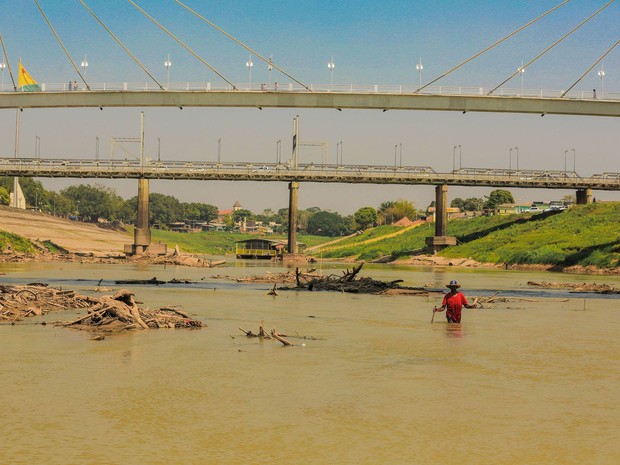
point(395, 151)
point(2, 66)
point(517, 149)
point(454, 158)
point(419, 67)
point(510, 160)
point(565, 155)
point(401, 154)
point(278, 150)
point(96, 147)
point(84, 65)
point(249, 64)
point(339, 145)
point(168, 64)
point(601, 74)
point(219, 150)
point(269, 68)
point(460, 157)
point(521, 71)
point(574, 160)
point(330, 66)
point(37, 147)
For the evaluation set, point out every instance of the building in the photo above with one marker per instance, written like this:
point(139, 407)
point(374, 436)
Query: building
point(263, 248)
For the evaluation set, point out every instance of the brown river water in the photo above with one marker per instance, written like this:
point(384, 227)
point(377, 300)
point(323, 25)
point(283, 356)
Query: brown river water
point(531, 381)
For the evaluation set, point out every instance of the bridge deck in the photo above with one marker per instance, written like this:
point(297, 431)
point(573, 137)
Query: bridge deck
point(298, 99)
point(282, 172)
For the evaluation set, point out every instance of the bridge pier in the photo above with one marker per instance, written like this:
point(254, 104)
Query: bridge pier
point(142, 233)
point(440, 240)
point(292, 217)
point(584, 196)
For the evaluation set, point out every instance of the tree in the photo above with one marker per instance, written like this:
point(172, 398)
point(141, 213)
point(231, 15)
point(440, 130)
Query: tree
point(5, 197)
point(473, 204)
point(498, 197)
point(94, 202)
point(366, 217)
point(326, 224)
point(391, 212)
point(238, 215)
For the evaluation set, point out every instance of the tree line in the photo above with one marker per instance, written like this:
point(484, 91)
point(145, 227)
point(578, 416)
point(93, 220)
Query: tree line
point(99, 203)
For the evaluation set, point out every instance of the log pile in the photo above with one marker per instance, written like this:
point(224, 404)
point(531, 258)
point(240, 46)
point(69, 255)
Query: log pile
point(350, 282)
point(20, 301)
point(577, 287)
point(116, 312)
point(120, 312)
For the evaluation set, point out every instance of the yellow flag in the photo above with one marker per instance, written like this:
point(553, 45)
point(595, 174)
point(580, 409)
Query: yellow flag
point(25, 81)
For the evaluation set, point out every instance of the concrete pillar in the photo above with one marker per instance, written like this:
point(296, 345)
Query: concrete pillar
point(292, 216)
point(142, 233)
point(584, 196)
point(440, 240)
point(441, 210)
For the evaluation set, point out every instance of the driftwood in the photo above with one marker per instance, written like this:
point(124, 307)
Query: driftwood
point(20, 301)
point(275, 335)
point(112, 313)
point(121, 312)
point(578, 287)
point(349, 281)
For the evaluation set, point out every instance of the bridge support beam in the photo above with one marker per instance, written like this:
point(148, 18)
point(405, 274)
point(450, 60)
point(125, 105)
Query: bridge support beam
point(584, 196)
point(440, 240)
point(292, 217)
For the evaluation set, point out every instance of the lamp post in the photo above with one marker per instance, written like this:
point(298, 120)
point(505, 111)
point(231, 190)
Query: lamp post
point(37, 147)
point(601, 74)
point(395, 151)
point(168, 64)
point(269, 68)
point(330, 66)
point(517, 150)
point(219, 150)
point(521, 72)
point(574, 160)
point(249, 64)
point(460, 157)
point(454, 158)
point(84, 65)
point(339, 146)
point(96, 147)
point(401, 154)
point(158, 149)
point(278, 150)
point(565, 155)
point(2, 66)
point(419, 67)
point(510, 160)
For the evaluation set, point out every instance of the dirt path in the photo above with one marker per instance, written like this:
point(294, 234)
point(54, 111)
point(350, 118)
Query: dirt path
point(74, 236)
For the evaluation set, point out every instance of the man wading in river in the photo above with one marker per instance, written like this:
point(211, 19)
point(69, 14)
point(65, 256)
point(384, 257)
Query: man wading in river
point(453, 302)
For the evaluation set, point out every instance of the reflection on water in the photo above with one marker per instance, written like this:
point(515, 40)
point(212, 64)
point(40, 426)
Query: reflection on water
point(528, 381)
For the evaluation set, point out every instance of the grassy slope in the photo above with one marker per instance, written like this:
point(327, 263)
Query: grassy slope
point(584, 235)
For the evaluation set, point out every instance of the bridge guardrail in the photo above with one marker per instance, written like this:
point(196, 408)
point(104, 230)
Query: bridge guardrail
point(336, 88)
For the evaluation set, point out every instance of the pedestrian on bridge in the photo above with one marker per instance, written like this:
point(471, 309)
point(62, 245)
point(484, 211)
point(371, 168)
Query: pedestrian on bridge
point(453, 302)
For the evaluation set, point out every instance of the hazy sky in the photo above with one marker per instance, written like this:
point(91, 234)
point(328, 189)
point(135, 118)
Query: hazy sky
point(371, 43)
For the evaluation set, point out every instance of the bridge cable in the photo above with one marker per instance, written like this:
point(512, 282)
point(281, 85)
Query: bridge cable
point(8, 63)
point(552, 45)
point(182, 44)
point(564, 92)
point(121, 44)
point(493, 45)
point(77, 70)
point(266, 60)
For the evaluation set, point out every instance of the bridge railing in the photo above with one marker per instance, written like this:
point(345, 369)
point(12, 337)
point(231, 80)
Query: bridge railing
point(336, 88)
point(259, 171)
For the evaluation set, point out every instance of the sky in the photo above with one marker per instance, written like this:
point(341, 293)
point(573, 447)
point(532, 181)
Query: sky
point(371, 43)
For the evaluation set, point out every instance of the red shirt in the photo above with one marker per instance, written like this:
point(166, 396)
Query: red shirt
point(454, 304)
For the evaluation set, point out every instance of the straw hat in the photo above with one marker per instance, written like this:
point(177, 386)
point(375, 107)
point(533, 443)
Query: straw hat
point(453, 284)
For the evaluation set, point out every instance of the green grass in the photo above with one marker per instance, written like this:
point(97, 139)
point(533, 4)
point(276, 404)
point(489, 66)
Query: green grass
point(218, 242)
point(16, 243)
point(586, 235)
